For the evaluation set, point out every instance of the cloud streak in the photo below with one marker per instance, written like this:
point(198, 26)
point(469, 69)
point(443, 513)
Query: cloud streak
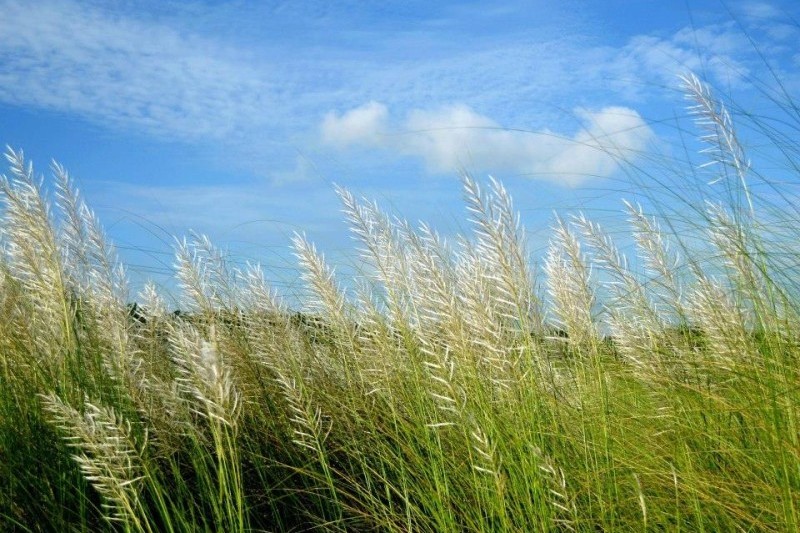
point(456, 136)
point(72, 58)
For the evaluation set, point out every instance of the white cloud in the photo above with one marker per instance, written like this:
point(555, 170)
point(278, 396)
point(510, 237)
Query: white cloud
point(253, 103)
point(713, 51)
point(79, 59)
point(456, 136)
point(366, 123)
point(760, 10)
point(304, 171)
point(778, 25)
point(609, 136)
point(447, 137)
point(118, 68)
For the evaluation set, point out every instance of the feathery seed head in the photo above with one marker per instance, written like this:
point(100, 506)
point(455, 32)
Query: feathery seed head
point(713, 118)
point(108, 454)
point(569, 285)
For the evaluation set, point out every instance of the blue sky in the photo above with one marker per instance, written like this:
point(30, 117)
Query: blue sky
point(234, 118)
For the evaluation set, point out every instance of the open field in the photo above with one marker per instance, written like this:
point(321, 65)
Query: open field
point(455, 386)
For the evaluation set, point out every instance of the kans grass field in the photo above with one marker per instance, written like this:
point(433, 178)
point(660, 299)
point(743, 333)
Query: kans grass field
point(644, 379)
point(454, 386)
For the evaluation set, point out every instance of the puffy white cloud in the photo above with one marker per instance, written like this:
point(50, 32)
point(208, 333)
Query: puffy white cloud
point(456, 136)
point(364, 124)
point(446, 137)
point(609, 137)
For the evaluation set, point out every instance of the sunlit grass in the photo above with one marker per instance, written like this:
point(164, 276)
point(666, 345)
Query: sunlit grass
point(458, 387)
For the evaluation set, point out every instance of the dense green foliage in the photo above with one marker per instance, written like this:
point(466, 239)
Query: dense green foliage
point(456, 387)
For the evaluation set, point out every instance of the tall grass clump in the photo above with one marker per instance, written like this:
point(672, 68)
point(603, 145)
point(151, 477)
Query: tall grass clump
point(456, 385)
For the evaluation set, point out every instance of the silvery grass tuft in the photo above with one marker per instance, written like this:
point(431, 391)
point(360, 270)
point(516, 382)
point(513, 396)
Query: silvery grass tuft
point(33, 258)
point(108, 455)
point(724, 147)
point(455, 385)
point(570, 288)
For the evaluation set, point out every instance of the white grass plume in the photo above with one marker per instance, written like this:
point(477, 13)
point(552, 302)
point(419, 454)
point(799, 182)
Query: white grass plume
point(382, 242)
point(308, 429)
point(447, 396)
point(501, 244)
point(153, 305)
point(205, 381)
point(433, 285)
point(712, 116)
point(95, 273)
point(266, 315)
point(384, 348)
point(636, 325)
point(271, 335)
point(74, 235)
point(658, 259)
point(204, 377)
point(486, 459)
point(33, 255)
point(107, 454)
point(565, 512)
point(258, 296)
point(326, 298)
point(487, 327)
point(569, 285)
point(724, 321)
point(207, 282)
point(734, 244)
point(493, 283)
point(92, 262)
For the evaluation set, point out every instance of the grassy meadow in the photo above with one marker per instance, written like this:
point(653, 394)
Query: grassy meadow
point(454, 386)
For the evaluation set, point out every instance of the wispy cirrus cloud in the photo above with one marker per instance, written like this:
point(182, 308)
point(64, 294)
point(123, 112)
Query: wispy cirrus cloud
point(457, 136)
point(126, 72)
